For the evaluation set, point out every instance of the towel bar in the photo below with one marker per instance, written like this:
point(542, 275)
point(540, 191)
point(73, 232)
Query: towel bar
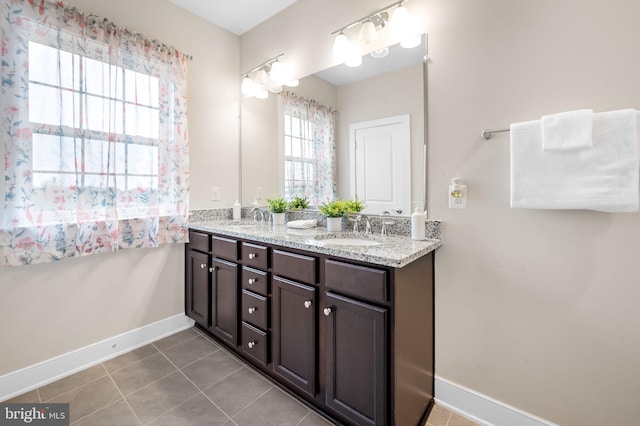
point(488, 134)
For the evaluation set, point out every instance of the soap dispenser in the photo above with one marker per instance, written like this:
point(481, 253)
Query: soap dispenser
point(418, 218)
point(237, 213)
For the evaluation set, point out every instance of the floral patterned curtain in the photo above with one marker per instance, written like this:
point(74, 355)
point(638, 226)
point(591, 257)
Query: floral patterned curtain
point(310, 149)
point(94, 134)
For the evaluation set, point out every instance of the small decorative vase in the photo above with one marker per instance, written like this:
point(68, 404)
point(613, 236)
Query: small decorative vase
point(334, 224)
point(278, 218)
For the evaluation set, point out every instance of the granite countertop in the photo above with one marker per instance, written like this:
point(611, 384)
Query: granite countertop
point(395, 251)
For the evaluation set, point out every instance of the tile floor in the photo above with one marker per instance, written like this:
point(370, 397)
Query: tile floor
point(184, 379)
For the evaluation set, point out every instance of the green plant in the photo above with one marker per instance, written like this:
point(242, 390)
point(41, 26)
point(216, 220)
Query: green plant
point(335, 208)
point(299, 203)
point(355, 206)
point(277, 205)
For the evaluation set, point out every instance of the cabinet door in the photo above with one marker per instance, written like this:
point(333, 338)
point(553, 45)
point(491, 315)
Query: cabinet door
point(356, 360)
point(197, 287)
point(294, 333)
point(224, 300)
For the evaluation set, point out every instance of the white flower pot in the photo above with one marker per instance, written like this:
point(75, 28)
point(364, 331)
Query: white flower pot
point(334, 224)
point(278, 218)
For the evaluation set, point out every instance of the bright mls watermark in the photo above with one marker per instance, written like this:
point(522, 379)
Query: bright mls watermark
point(34, 414)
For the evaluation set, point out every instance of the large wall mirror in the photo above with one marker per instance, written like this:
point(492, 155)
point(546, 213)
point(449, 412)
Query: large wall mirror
point(381, 103)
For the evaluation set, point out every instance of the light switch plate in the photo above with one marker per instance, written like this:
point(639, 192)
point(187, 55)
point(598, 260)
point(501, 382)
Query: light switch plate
point(215, 193)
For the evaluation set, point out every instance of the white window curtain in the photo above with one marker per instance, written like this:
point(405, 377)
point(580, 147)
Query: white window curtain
point(309, 149)
point(94, 134)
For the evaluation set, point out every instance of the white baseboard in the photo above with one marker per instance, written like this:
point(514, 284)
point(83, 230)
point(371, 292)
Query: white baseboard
point(481, 408)
point(38, 375)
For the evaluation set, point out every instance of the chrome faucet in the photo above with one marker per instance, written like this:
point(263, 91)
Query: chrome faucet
point(257, 212)
point(367, 224)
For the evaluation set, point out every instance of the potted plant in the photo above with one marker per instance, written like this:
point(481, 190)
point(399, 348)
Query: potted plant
point(278, 207)
point(334, 210)
point(299, 203)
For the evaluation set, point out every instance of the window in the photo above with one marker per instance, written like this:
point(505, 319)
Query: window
point(309, 149)
point(119, 108)
point(95, 136)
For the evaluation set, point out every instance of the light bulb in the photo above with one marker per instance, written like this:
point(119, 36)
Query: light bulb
point(292, 83)
point(341, 47)
point(262, 79)
point(354, 59)
point(248, 86)
point(277, 72)
point(399, 22)
point(368, 33)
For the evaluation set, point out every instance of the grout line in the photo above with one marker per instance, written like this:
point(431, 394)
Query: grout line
point(126, 401)
point(75, 388)
point(179, 343)
point(39, 397)
point(133, 363)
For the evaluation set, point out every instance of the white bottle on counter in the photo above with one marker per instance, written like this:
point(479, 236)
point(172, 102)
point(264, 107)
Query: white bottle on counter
point(236, 211)
point(418, 218)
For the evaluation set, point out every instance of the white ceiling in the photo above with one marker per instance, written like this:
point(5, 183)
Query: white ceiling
point(237, 16)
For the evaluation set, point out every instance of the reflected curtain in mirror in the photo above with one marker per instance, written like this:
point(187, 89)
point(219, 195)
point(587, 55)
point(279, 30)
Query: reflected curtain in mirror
point(309, 149)
point(95, 136)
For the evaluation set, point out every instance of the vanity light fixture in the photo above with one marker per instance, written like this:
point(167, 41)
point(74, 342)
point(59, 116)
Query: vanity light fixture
point(267, 77)
point(402, 28)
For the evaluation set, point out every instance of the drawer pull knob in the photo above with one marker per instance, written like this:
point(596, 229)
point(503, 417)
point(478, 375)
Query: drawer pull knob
point(251, 344)
point(252, 310)
point(327, 311)
point(252, 280)
point(252, 255)
point(203, 265)
point(213, 268)
point(307, 304)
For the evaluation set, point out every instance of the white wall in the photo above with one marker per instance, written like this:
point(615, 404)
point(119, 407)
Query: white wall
point(536, 309)
point(49, 310)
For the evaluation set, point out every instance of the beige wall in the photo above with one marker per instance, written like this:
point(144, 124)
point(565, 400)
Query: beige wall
point(49, 310)
point(537, 309)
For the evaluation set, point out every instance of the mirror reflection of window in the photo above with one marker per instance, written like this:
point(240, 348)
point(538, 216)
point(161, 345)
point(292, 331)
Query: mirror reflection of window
point(309, 149)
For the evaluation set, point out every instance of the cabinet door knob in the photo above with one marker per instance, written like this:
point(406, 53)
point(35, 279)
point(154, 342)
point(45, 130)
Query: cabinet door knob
point(252, 255)
point(327, 311)
point(213, 268)
point(252, 310)
point(251, 344)
point(203, 265)
point(252, 280)
point(307, 304)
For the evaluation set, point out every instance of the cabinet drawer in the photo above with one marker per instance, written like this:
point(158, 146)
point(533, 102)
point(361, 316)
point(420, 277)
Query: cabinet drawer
point(356, 280)
point(255, 255)
point(199, 241)
point(256, 281)
point(225, 248)
point(295, 266)
point(255, 343)
point(254, 309)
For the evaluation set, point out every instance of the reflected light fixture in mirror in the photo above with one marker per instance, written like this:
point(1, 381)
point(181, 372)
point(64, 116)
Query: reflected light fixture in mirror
point(267, 77)
point(403, 28)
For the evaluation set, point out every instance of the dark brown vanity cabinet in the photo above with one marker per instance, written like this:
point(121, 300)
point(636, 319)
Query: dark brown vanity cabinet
point(197, 286)
point(351, 338)
point(211, 284)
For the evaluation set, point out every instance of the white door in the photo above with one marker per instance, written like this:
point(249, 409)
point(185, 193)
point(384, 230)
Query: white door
point(381, 164)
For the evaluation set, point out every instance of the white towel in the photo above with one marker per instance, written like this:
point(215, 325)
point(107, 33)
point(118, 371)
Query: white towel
point(302, 224)
point(567, 130)
point(604, 178)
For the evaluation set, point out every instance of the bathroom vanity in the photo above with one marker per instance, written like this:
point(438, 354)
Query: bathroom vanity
point(348, 329)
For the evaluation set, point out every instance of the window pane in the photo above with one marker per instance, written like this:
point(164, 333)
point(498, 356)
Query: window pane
point(50, 66)
point(142, 121)
point(143, 159)
point(94, 76)
point(96, 157)
point(50, 105)
point(53, 153)
point(59, 180)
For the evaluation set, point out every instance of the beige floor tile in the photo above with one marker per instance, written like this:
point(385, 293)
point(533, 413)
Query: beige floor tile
point(458, 420)
point(89, 398)
point(210, 370)
point(190, 351)
point(140, 374)
point(130, 358)
point(71, 382)
point(175, 339)
point(160, 397)
point(238, 391)
point(439, 416)
point(274, 408)
point(117, 413)
point(197, 411)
